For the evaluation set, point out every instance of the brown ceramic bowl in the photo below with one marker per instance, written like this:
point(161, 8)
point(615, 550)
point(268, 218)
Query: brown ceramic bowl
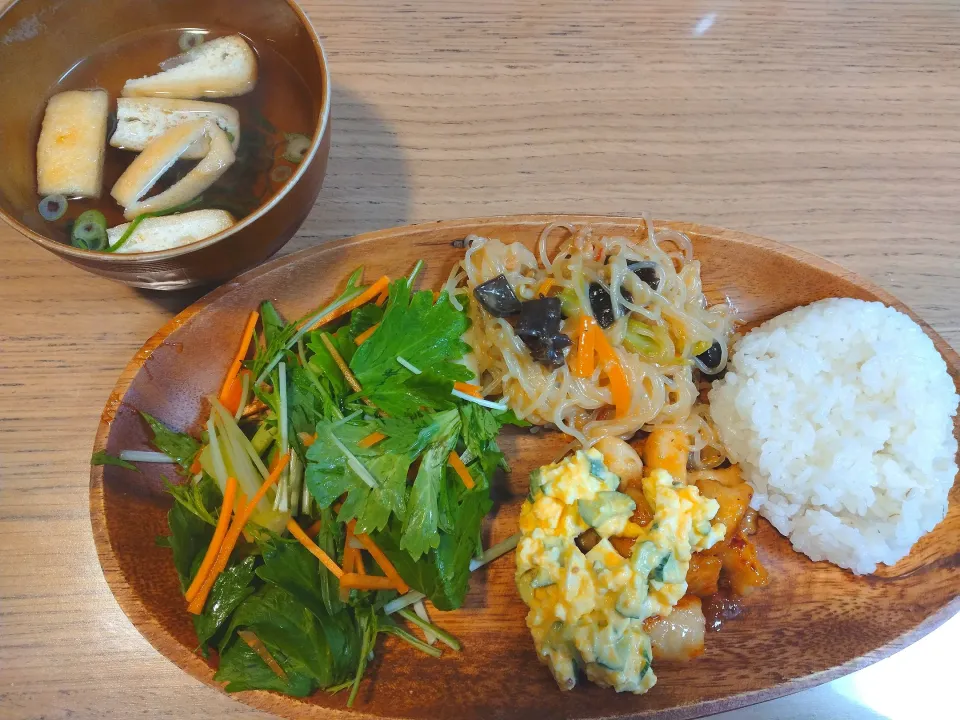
point(40, 41)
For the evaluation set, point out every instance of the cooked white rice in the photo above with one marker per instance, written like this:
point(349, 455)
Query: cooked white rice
point(840, 413)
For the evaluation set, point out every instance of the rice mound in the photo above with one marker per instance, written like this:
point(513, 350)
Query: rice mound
point(841, 416)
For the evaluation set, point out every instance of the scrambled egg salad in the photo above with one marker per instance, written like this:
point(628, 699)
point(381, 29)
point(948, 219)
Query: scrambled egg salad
point(587, 609)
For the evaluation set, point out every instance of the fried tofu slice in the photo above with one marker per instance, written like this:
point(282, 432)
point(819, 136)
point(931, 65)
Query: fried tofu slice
point(72, 142)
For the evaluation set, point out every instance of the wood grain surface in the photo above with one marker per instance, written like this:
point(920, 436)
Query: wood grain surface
point(818, 620)
point(831, 126)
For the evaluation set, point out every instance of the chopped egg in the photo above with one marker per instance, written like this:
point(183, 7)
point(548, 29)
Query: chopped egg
point(587, 608)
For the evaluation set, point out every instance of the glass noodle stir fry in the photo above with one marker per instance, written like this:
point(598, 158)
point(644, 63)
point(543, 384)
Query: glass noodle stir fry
point(548, 337)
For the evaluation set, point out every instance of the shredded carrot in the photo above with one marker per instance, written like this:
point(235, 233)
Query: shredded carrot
point(344, 368)
point(241, 354)
point(366, 296)
point(382, 298)
point(314, 529)
point(232, 395)
point(388, 569)
point(195, 466)
point(358, 559)
point(371, 440)
point(356, 581)
point(223, 522)
point(349, 552)
point(365, 335)
point(585, 347)
point(240, 520)
point(256, 644)
point(619, 387)
point(457, 464)
point(545, 286)
point(468, 389)
point(308, 439)
point(314, 549)
point(436, 295)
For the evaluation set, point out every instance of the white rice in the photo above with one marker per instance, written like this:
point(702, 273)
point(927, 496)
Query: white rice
point(841, 415)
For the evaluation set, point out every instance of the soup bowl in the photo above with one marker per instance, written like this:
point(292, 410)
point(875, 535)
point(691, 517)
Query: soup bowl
point(40, 42)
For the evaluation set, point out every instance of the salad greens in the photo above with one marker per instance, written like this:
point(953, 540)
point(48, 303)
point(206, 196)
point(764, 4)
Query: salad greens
point(353, 426)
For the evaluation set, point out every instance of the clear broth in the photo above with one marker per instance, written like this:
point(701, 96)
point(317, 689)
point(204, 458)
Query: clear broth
point(281, 103)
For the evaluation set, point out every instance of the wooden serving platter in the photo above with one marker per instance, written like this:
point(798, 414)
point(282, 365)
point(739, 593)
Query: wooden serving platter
point(815, 622)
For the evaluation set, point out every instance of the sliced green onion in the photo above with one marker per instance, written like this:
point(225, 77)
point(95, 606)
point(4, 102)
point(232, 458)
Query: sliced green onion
point(52, 207)
point(89, 231)
point(219, 466)
point(445, 637)
point(412, 368)
point(479, 401)
point(410, 639)
point(146, 456)
point(355, 464)
point(413, 273)
point(428, 635)
point(297, 147)
point(403, 601)
point(281, 173)
point(495, 551)
point(190, 39)
point(231, 428)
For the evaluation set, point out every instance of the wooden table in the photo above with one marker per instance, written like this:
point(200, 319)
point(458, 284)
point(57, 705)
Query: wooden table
point(831, 126)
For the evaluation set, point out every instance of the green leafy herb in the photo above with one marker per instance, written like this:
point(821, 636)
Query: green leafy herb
point(179, 446)
point(289, 565)
point(327, 649)
point(189, 538)
point(102, 457)
point(276, 335)
point(231, 588)
point(329, 475)
point(242, 669)
point(420, 527)
point(426, 335)
point(202, 498)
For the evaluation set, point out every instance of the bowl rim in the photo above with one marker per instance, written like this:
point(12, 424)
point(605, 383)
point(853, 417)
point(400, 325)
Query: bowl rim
point(157, 635)
point(120, 259)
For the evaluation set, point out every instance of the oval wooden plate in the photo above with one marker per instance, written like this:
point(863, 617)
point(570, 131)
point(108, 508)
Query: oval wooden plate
point(813, 623)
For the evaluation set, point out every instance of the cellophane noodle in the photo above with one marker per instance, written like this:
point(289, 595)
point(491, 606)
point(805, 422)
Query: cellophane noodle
point(673, 322)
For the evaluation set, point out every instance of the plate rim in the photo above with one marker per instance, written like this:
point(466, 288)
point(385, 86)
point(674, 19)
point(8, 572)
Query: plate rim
point(283, 706)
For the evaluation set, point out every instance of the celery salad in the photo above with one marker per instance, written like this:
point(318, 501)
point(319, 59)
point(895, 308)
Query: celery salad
point(341, 480)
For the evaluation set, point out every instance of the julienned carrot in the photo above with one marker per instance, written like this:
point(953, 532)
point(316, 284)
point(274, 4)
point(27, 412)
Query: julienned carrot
point(223, 522)
point(356, 581)
point(545, 286)
point(232, 395)
point(195, 605)
point(314, 549)
point(365, 335)
point(468, 389)
point(585, 348)
point(619, 387)
point(195, 466)
point(349, 552)
point(382, 298)
point(371, 440)
point(307, 439)
point(457, 464)
point(256, 644)
point(241, 353)
point(358, 561)
point(233, 534)
point(366, 296)
point(388, 569)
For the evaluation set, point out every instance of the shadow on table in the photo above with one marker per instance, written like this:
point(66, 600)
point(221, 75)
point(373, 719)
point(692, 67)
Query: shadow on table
point(366, 187)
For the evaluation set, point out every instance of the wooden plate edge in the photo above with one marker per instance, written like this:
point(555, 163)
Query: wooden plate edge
point(166, 644)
